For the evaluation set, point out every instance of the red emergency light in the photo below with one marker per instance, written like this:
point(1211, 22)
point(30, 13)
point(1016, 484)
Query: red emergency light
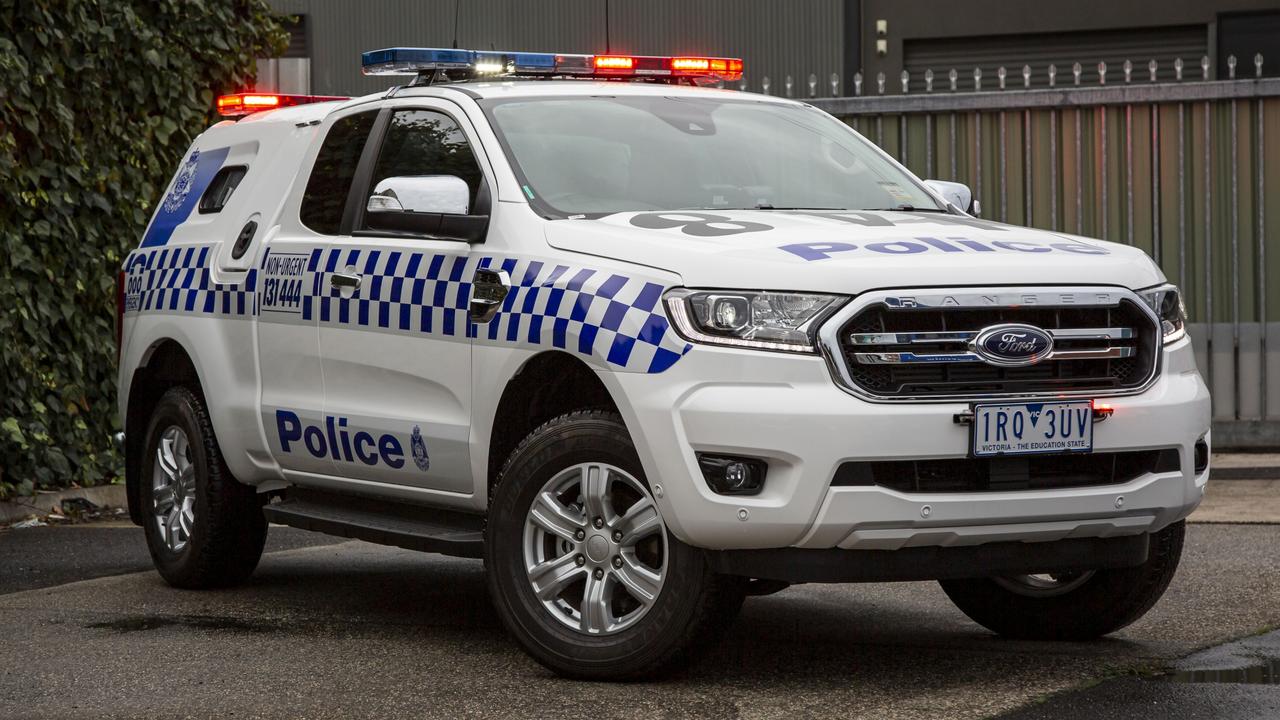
point(246, 103)
point(727, 69)
point(614, 62)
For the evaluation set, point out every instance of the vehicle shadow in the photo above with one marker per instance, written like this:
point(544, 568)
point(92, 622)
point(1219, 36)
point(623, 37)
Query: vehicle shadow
point(876, 633)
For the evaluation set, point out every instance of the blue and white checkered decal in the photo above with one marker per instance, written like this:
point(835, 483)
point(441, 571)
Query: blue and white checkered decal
point(595, 313)
point(176, 279)
point(611, 319)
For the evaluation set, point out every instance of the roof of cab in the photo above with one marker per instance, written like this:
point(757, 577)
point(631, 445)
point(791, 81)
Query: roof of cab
point(535, 87)
point(315, 112)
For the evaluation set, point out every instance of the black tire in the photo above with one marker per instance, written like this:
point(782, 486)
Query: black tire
point(1105, 602)
point(691, 611)
point(228, 529)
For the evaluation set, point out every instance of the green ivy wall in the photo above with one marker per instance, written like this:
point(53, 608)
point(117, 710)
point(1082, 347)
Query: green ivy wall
point(98, 101)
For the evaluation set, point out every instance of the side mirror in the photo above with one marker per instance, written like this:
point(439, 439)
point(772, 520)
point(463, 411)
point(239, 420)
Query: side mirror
point(426, 205)
point(957, 194)
point(446, 194)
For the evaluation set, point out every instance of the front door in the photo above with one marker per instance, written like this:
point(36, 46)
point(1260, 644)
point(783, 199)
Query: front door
point(393, 319)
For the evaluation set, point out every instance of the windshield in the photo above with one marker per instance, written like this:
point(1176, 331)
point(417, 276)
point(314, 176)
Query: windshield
point(607, 154)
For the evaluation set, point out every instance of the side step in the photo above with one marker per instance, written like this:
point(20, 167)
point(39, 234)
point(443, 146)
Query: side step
point(414, 527)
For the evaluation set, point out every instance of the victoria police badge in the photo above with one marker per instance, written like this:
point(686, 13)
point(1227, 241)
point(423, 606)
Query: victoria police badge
point(182, 184)
point(419, 447)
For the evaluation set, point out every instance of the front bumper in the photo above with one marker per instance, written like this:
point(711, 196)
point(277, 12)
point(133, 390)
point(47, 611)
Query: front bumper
point(799, 565)
point(788, 411)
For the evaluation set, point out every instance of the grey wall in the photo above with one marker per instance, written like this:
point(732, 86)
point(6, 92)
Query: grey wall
point(919, 20)
point(774, 38)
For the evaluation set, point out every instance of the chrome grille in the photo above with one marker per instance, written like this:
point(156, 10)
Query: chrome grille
point(895, 351)
point(1109, 348)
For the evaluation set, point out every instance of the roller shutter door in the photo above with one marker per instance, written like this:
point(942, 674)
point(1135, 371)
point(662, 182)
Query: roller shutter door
point(1164, 45)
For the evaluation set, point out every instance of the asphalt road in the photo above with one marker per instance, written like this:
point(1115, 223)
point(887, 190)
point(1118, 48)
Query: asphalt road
point(48, 556)
point(1236, 681)
point(356, 630)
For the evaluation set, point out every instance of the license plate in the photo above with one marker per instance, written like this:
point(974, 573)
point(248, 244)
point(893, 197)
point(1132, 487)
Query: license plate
point(1031, 428)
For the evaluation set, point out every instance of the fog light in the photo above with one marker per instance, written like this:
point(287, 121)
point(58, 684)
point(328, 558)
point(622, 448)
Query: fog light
point(736, 474)
point(1202, 456)
point(727, 475)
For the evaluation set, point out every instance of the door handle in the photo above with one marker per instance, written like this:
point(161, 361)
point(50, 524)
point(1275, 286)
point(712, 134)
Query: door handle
point(488, 289)
point(345, 280)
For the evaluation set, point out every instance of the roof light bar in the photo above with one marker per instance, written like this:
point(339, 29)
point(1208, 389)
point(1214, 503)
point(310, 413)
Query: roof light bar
point(246, 103)
point(484, 63)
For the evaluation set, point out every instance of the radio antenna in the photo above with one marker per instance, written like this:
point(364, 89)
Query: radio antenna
point(457, 8)
point(608, 47)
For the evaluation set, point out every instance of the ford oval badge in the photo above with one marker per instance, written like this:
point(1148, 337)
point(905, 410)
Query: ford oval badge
point(1012, 345)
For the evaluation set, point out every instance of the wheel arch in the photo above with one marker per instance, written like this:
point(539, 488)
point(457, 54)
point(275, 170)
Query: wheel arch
point(545, 386)
point(166, 363)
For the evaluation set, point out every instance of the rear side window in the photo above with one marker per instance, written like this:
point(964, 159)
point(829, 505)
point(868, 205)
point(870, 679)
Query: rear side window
point(330, 181)
point(220, 188)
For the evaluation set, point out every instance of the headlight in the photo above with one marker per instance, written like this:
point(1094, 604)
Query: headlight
point(1167, 302)
point(762, 320)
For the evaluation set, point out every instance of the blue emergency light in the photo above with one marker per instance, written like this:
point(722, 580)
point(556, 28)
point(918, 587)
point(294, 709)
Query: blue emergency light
point(456, 64)
point(410, 61)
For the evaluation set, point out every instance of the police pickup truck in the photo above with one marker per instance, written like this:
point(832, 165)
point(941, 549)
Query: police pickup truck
point(647, 347)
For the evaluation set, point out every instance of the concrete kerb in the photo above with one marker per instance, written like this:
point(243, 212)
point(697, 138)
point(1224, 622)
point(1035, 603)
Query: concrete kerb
point(1244, 466)
point(45, 503)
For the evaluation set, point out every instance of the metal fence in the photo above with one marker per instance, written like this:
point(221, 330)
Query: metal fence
point(1187, 171)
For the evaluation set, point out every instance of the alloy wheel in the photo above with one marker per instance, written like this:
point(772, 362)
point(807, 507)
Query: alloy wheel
point(595, 548)
point(173, 489)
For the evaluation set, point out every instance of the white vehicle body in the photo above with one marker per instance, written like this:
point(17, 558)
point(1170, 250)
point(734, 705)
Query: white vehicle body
point(561, 325)
point(386, 383)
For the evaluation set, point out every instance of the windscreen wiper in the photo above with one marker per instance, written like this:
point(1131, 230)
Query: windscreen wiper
point(767, 206)
point(907, 208)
